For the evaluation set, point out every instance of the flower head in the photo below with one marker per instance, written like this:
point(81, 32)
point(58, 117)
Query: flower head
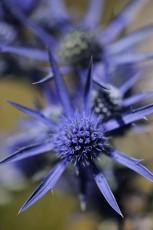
point(112, 102)
point(77, 42)
point(79, 137)
point(78, 45)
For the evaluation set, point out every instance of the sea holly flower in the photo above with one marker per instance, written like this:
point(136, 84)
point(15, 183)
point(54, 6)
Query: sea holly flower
point(77, 42)
point(79, 138)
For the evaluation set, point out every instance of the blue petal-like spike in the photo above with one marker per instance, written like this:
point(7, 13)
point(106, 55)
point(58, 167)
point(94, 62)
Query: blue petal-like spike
point(63, 70)
point(129, 58)
point(34, 114)
point(101, 84)
point(40, 32)
point(45, 79)
point(130, 40)
point(61, 87)
point(106, 191)
point(128, 117)
point(28, 151)
point(131, 163)
point(94, 13)
point(128, 84)
point(58, 9)
point(47, 184)
point(136, 98)
point(25, 52)
point(88, 88)
point(121, 21)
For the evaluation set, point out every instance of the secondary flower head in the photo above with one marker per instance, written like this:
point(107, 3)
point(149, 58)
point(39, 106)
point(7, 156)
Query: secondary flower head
point(107, 102)
point(112, 102)
point(79, 137)
point(78, 45)
point(77, 42)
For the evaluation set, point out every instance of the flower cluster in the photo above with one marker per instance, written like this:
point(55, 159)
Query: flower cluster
point(79, 134)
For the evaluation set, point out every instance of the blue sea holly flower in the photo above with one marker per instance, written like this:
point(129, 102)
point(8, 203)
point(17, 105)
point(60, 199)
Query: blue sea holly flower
point(79, 138)
point(79, 41)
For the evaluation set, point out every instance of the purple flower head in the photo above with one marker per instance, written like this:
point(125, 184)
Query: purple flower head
point(81, 138)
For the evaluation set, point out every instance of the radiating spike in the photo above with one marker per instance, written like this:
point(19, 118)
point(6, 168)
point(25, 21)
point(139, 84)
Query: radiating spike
point(28, 151)
point(105, 189)
point(35, 114)
point(121, 20)
point(131, 163)
point(47, 184)
point(129, 83)
point(128, 117)
point(25, 52)
point(129, 58)
point(94, 13)
point(59, 10)
point(88, 88)
point(40, 32)
point(45, 79)
point(60, 84)
point(136, 98)
point(129, 40)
